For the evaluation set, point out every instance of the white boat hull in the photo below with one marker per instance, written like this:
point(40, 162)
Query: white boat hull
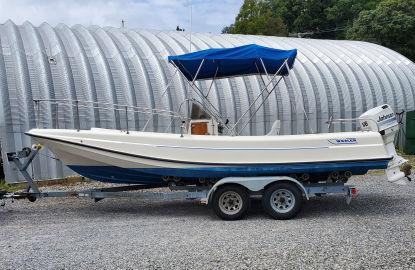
point(145, 157)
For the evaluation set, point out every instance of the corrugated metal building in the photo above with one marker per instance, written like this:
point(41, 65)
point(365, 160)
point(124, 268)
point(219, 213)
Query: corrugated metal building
point(339, 79)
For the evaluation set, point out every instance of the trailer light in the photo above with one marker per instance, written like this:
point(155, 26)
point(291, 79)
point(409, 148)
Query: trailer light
point(354, 192)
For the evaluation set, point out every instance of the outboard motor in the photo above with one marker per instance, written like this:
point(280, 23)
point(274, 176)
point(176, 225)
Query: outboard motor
point(382, 119)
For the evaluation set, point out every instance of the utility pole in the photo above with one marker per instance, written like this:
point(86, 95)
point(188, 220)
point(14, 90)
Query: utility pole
point(191, 22)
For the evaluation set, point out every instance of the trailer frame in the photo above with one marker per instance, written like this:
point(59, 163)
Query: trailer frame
point(204, 194)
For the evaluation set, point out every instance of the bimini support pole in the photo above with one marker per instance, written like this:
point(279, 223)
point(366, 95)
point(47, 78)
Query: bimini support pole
point(260, 75)
point(260, 105)
point(198, 70)
point(169, 83)
point(266, 71)
point(260, 94)
point(216, 113)
point(211, 109)
point(302, 107)
point(211, 84)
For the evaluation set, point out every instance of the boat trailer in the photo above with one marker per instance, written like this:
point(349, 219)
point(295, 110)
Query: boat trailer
point(229, 197)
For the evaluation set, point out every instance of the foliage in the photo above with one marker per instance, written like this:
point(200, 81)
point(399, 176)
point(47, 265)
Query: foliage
point(7, 187)
point(304, 16)
point(343, 12)
point(67, 181)
point(410, 158)
point(391, 24)
point(280, 17)
point(256, 17)
point(387, 22)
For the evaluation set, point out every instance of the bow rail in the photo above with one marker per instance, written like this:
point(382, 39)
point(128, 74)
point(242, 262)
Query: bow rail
point(118, 109)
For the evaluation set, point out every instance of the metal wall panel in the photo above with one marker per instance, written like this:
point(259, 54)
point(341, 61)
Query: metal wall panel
point(339, 79)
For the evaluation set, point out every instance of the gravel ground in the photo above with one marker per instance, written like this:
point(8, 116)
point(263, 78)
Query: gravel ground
point(376, 230)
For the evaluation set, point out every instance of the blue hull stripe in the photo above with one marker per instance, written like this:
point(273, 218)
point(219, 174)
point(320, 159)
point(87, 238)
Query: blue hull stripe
point(154, 175)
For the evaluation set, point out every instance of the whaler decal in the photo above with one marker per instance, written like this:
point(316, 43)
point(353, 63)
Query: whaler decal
point(343, 141)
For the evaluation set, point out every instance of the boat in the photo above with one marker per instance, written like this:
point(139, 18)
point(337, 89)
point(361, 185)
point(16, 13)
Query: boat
point(209, 148)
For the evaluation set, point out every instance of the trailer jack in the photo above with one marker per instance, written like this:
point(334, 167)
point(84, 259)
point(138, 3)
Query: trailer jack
point(28, 154)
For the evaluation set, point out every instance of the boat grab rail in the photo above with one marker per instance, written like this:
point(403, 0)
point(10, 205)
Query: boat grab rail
point(342, 120)
point(113, 107)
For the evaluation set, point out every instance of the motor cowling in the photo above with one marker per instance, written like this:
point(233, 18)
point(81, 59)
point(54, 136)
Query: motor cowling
point(382, 119)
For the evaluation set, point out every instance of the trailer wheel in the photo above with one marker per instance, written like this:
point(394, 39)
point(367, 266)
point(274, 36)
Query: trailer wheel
point(230, 202)
point(31, 198)
point(282, 200)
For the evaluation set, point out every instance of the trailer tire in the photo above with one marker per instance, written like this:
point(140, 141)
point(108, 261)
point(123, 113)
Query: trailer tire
point(230, 202)
point(31, 198)
point(282, 200)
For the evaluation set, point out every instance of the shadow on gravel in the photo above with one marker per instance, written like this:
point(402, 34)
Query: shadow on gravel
point(370, 205)
point(367, 205)
point(140, 208)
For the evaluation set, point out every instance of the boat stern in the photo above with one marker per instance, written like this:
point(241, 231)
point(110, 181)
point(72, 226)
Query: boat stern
point(382, 119)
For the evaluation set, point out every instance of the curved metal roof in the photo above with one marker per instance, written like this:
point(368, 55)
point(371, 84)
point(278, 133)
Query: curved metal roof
point(339, 79)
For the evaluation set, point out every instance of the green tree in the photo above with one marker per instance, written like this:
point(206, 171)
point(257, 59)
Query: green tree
point(279, 17)
point(305, 16)
point(228, 29)
point(321, 18)
point(387, 22)
point(390, 24)
point(342, 13)
point(256, 17)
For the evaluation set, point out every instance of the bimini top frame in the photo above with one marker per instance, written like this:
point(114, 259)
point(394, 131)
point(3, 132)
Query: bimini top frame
point(232, 62)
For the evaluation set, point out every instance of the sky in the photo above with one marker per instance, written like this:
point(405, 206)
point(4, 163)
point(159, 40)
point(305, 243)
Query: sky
point(208, 15)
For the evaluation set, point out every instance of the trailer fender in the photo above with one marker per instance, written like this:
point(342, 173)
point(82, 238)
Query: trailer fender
point(255, 183)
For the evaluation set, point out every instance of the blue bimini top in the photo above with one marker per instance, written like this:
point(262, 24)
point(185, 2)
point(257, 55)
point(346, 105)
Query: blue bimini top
point(230, 62)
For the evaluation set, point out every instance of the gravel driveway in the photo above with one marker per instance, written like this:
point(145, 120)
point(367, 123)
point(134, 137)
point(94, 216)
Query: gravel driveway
point(377, 230)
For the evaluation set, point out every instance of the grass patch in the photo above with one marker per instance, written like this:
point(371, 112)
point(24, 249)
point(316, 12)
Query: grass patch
point(410, 158)
point(8, 187)
point(67, 181)
point(377, 172)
